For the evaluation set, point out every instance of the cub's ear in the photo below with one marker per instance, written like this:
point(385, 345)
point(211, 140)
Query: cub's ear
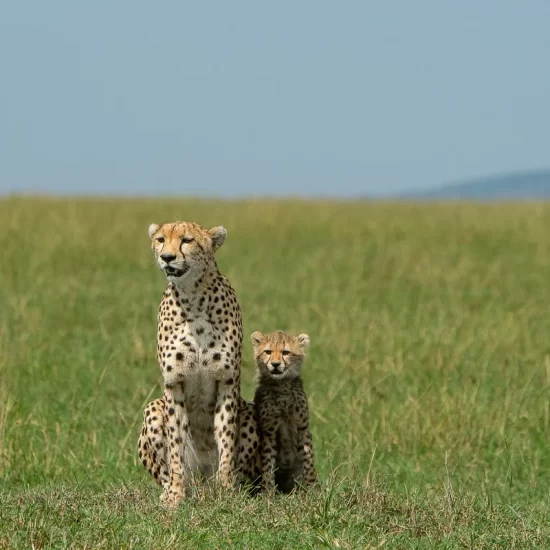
point(153, 228)
point(256, 338)
point(303, 339)
point(217, 234)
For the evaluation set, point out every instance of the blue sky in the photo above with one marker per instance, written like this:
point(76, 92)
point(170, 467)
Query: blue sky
point(260, 98)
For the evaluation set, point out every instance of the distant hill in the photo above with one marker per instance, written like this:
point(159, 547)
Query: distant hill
point(529, 185)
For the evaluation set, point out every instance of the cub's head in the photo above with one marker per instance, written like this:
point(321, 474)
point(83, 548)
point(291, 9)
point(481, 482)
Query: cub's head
point(278, 354)
point(184, 249)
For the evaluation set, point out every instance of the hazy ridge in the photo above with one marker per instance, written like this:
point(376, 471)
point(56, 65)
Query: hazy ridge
point(527, 185)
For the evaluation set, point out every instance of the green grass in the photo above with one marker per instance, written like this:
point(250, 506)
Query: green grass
point(428, 375)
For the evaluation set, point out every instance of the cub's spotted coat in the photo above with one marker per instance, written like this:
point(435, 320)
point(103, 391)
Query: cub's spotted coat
point(283, 418)
point(195, 427)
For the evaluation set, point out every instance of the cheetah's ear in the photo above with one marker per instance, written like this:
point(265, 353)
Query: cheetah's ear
point(217, 234)
point(256, 338)
point(153, 228)
point(303, 339)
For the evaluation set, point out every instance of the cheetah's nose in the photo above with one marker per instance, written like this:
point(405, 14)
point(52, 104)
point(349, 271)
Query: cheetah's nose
point(275, 364)
point(168, 257)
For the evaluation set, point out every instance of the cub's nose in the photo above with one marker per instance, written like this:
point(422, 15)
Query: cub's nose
point(275, 364)
point(168, 257)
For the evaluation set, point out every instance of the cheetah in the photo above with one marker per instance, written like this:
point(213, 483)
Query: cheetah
point(195, 427)
point(286, 450)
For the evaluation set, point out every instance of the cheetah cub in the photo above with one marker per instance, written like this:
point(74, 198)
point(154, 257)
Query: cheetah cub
point(286, 451)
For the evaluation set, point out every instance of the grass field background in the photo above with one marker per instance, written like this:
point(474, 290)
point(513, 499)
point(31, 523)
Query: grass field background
point(428, 375)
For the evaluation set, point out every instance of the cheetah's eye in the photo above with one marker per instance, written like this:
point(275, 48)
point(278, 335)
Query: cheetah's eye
point(286, 352)
point(160, 240)
point(187, 240)
point(267, 351)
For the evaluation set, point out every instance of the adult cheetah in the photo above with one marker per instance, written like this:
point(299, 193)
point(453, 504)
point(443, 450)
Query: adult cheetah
point(195, 427)
point(283, 416)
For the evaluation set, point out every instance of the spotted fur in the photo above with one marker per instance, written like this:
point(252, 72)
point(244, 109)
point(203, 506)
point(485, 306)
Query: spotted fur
point(286, 448)
point(153, 444)
point(194, 428)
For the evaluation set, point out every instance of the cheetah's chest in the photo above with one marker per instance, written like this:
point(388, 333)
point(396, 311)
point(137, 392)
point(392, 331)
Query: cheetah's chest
point(191, 348)
point(193, 357)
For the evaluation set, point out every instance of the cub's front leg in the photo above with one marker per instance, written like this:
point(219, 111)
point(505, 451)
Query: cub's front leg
point(177, 426)
point(268, 446)
point(225, 426)
point(308, 476)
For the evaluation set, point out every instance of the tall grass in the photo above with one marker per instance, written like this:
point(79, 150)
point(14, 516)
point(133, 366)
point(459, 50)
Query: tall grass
point(428, 375)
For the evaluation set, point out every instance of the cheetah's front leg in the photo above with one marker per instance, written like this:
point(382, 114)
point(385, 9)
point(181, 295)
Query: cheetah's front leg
point(152, 442)
point(308, 475)
point(268, 451)
point(225, 429)
point(248, 448)
point(177, 426)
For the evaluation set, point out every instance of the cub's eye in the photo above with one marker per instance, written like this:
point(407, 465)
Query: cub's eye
point(160, 240)
point(286, 352)
point(267, 351)
point(187, 240)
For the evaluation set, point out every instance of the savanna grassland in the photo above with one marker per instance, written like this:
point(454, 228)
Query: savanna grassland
point(428, 374)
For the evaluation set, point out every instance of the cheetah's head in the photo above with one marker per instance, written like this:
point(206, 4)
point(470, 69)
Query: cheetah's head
point(184, 249)
point(278, 354)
